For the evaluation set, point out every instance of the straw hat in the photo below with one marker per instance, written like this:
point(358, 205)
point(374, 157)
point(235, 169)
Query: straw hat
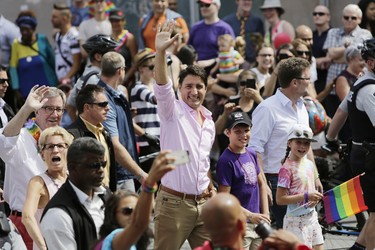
point(268, 4)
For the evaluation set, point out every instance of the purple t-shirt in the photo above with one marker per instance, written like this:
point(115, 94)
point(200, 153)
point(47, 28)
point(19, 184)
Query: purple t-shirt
point(203, 38)
point(240, 172)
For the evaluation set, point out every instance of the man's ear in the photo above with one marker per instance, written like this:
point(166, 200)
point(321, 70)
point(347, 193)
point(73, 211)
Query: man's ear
point(227, 132)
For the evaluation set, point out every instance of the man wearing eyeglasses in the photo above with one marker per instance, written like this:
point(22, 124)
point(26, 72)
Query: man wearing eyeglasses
point(74, 215)
point(18, 147)
point(272, 120)
point(93, 106)
point(340, 38)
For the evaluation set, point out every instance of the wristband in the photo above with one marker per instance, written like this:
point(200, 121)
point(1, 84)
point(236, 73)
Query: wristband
point(306, 198)
point(149, 189)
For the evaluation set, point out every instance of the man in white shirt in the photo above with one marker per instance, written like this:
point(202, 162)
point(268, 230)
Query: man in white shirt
point(74, 215)
point(19, 151)
point(272, 120)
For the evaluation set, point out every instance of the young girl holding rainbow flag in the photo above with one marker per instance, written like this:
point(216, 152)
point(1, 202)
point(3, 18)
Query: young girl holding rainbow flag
point(296, 189)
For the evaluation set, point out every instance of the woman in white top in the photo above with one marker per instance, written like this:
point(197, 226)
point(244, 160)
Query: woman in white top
point(53, 146)
point(265, 58)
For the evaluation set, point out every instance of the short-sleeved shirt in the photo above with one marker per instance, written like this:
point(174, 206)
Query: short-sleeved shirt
point(91, 27)
point(226, 61)
point(66, 46)
point(298, 178)
point(203, 37)
point(337, 37)
point(240, 172)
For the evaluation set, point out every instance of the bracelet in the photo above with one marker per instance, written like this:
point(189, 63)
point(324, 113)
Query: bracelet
point(306, 197)
point(149, 189)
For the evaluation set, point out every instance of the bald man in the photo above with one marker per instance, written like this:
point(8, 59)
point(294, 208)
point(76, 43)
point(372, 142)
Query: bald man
point(224, 220)
point(304, 33)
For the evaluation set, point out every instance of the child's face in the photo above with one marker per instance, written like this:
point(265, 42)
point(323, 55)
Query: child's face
point(298, 148)
point(224, 45)
point(239, 136)
point(265, 58)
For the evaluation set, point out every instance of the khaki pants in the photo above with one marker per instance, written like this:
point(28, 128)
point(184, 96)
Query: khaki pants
point(251, 240)
point(176, 220)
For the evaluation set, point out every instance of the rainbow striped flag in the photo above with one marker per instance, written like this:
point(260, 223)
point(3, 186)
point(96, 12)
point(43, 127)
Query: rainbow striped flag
point(344, 200)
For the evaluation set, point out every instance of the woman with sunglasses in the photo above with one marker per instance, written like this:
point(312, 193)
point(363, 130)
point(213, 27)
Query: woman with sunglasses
point(127, 216)
point(53, 146)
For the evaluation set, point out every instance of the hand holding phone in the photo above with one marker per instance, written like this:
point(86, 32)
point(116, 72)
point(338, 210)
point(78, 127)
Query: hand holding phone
point(250, 83)
point(180, 156)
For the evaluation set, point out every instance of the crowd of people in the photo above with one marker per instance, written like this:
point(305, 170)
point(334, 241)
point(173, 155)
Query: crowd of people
point(92, 125)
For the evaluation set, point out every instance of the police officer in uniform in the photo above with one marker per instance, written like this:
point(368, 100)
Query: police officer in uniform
point(360, 104)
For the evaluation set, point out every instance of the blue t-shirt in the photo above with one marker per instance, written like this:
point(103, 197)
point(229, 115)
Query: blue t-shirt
point(240, 172)
point(107, 242)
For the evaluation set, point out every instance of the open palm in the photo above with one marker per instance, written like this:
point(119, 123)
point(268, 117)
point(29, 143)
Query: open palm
point(163, 37)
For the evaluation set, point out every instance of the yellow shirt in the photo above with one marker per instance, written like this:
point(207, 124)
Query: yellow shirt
point(97, 131)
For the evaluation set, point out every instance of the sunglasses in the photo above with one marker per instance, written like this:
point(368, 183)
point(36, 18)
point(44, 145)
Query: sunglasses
point(301, 52)
point(96, 165)
point(100, 104)
point(3, 80)
point(303, 78)
point(127, 210)
point(283, 56)
point(150, 67)
point(319, 13)
point(207, 5)
point(353, 18)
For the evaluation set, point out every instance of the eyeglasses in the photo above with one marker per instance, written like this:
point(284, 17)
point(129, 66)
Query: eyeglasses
point(319, 13)
point(3, 80)
point(49, 110)
point(150, 67)
point(98, 1)
point(242, 83)
point(51, 146)
point(95, 165)
point(303, 78)
point(265, 55)
point(127, 210)
point(100, 104)
point(307, 39)
point(353, 18)
point(302, 52)
point(206, 5)
point(121, 67)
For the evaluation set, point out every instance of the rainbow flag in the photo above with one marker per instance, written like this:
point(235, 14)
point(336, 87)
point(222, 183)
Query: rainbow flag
point(344, 200)
point(110, 6)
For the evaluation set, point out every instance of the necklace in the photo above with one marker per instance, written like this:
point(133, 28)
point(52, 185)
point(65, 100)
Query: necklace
point(57, 185)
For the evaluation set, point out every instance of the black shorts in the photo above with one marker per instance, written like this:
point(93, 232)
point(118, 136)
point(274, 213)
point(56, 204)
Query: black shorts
point(358, 165)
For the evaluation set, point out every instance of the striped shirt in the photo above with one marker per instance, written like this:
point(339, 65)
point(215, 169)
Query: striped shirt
point(142, 98)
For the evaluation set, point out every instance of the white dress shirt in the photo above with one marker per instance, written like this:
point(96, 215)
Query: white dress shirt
point(272, 121)
point(22, 162)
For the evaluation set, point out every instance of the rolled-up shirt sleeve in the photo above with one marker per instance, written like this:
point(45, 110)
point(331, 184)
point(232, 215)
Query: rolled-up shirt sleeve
point(262, 129)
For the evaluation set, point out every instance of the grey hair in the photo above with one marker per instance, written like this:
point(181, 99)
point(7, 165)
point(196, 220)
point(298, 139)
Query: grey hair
point(351, 52)
point(54, 92)
point(353, 7)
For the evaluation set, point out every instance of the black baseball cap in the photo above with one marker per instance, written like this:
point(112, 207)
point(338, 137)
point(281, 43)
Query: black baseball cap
point(238, 117)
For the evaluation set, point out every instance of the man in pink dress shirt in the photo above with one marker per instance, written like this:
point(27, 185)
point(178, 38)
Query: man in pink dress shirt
point(184, 124)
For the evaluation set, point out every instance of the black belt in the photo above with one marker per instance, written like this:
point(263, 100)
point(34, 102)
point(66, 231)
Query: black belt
point(16, 213)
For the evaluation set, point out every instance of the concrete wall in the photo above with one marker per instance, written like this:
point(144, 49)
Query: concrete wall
point(296, 11)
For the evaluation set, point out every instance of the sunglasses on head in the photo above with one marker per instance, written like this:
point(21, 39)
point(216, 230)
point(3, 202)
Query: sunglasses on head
point(301, 52)
point(353, 18)
point(127, 210)
point(3, 80)
point(318, 13)
point(303, 134)
point(100, 104)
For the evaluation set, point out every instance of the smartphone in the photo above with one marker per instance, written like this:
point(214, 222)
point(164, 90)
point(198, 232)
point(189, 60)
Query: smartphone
point(180, 156)
point(250, 83)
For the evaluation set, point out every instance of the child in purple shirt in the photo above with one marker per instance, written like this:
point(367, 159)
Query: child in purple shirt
point(238, 173)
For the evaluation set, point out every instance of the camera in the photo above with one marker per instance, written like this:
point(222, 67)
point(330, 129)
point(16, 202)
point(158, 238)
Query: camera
point(263, 229)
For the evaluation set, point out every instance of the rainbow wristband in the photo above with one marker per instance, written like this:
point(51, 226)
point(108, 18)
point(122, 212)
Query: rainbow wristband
point(149, 189)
